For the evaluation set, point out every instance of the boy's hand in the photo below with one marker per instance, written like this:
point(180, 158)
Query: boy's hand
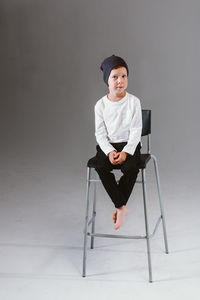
point(113, 155)
point(121, 157)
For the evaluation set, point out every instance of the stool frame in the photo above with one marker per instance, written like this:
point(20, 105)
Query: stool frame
point(148, 235)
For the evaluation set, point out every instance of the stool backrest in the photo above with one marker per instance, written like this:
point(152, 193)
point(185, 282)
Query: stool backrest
point(146, 122)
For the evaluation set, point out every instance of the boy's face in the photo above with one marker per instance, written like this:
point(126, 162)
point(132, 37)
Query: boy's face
point(118, 81)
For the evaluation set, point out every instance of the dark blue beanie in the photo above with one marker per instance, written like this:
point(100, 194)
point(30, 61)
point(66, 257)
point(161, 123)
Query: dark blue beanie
point(111, 62)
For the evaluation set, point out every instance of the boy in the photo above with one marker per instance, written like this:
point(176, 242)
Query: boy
point(118, 127)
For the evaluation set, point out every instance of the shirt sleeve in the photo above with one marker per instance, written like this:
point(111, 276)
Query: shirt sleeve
point(135, 129)
point(101, 131)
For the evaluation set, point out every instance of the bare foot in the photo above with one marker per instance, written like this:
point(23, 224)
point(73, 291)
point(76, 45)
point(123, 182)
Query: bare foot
point(121, 212)
point(114, 216)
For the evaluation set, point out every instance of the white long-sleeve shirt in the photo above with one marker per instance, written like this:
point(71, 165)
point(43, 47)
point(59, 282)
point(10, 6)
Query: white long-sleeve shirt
point(117, 122)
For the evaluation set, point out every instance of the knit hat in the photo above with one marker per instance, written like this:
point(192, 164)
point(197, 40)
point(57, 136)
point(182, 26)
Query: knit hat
point(109, 63)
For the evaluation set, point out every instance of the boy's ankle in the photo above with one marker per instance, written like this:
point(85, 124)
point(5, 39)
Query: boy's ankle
point(123, 207)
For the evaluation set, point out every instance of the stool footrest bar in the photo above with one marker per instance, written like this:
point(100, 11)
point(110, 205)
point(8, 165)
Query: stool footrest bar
point(117, 236)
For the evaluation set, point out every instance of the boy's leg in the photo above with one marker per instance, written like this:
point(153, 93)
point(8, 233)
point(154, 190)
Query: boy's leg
point(130, 170)
point(104, 168)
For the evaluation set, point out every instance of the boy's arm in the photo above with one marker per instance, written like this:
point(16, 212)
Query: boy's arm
point(101, 132)
point(135, 130)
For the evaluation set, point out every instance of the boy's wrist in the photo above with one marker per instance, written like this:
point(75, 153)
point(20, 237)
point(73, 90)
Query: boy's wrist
point(125, 153)
point(112, 151)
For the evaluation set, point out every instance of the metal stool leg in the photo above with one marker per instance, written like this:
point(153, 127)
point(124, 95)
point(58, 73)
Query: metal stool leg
point(160, 201)
point(86, 222)
point(146, 223)
point(94, 212)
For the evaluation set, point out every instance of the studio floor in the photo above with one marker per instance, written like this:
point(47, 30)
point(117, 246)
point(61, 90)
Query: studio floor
point(42, 211)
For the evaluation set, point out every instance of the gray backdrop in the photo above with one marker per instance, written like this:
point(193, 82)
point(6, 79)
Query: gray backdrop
point(50, 78)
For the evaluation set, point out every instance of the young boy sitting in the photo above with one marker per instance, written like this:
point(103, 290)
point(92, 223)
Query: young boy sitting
point(118, 127)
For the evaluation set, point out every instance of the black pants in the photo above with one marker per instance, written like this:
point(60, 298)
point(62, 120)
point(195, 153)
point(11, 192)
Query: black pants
point(118, 192)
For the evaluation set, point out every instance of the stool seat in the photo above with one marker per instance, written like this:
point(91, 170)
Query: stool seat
point(144, 158)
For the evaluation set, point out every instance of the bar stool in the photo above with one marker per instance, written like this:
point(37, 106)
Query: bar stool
point(145, 158)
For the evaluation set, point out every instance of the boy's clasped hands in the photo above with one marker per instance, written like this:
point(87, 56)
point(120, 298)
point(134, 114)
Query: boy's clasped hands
point(117, 157)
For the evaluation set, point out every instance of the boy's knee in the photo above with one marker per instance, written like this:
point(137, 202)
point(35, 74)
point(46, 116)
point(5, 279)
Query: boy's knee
point(130, 169)
point(101, 169)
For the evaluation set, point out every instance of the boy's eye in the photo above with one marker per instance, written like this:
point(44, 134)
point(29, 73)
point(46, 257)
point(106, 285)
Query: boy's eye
point(124, 76)
point(114, 76)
